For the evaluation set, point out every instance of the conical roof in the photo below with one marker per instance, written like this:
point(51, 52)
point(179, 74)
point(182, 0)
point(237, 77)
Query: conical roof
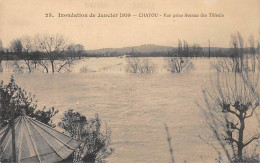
point(35, 142)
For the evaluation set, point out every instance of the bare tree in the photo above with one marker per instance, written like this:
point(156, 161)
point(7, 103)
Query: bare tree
point(132, 65)
point(146, 66)
point(181, 63)
point(229, 105)
point(237, 61)
point(27, 49)
point(16, 47)
point(227, 109)
point(252, 50)
point(224, 65)
point(251, 77)
point(23, 48)
point(232, 103)
point(53, 47)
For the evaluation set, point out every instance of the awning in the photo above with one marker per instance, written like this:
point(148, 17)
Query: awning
point(36, 142)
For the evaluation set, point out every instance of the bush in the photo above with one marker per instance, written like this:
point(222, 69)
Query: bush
point(96, 143)
point(14, 98)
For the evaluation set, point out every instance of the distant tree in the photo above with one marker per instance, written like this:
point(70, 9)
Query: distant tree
point(209, 49)
point(237, 49)
point(14, 98)
point(74, 50)
point(16, 47)
point(237, 61)
point(23, 47)
point(52, 48)
point(96, 142)
point(27, 57)
point(186, 51)
point(196, 50)
point(252, 50)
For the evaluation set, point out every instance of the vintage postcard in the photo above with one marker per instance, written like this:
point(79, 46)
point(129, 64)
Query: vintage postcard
point(133, 81)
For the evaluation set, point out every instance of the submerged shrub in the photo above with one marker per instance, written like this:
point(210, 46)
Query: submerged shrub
point(139, 65)
point(179, 65)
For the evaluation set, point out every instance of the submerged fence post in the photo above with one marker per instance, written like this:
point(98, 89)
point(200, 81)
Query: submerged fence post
point(169, 142)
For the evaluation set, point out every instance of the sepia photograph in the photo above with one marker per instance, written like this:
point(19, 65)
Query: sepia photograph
point(133, 81)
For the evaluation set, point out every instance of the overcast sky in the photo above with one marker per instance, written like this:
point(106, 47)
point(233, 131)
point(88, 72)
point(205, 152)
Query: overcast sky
point(26, 17)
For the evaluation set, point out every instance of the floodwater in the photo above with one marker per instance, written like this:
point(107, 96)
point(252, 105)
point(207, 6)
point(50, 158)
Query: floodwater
point(134, 106)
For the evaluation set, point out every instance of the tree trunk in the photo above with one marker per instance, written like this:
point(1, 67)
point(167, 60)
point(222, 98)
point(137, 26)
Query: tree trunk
point(240, 144)
point(52, 66)
point(28, 65)
point(29, 68)
point(47, 71)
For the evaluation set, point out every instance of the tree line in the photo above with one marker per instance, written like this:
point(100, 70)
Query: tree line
point(51, 52)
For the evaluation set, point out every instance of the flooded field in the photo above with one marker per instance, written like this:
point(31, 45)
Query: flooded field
point(134, 106)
